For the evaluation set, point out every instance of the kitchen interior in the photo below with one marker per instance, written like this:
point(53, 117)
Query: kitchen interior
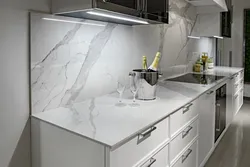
point(134, 83)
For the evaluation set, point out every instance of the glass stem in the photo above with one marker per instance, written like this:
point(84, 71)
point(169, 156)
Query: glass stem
point(120, 100)
point(134, 98)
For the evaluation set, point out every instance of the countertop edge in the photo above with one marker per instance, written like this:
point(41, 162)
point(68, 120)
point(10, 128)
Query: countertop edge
point(75, 133)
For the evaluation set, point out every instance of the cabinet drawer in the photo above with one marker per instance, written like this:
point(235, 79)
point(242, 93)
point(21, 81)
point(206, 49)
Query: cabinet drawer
point(135, 150)
point(236, 102)
point(236, 87)
point(239, 76)
point(241, 83)
point(241, 98)
point(183, 139)
point(160, 159)
point(189, 158)
point(182, 117)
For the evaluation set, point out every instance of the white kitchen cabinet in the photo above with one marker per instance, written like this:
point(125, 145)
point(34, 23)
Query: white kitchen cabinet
point(209, 6)
point(136, 149)
point(238, 100)
point(241, 98)
point(230, 101)
point(160, 159)
point(55, 147)
point(182, 117)
point(183, 139)
point(208, 25)
point(234, 95)
point(188, 157)
point(206, 126)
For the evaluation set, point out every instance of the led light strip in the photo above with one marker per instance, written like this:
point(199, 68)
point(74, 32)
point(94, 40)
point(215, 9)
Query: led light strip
point(218, 37)
point(117, 17)
point(193, 37)
point(74, 22)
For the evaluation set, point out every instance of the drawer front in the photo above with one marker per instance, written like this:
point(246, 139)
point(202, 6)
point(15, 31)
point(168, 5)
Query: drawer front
point(237, 87)
point(236, 102)
point(241, 83)
point(182, 140)
point(135, 150)
point(189, 158)
point(237, 77)
point(241, 75)
point(158, 160)
point(182, 117)
point(241, 98)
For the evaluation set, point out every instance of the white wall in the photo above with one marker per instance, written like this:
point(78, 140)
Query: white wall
point(14, 83)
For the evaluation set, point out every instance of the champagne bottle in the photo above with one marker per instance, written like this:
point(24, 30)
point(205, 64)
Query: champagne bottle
point(144, 63)
point(154, 66)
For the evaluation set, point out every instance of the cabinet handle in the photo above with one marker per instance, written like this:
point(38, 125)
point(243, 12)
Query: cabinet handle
point(211, 92)
point(152, 161)
point(144, 136)
point(186, 155)
point(218, 121)
point(187, 107)
point(186, 132)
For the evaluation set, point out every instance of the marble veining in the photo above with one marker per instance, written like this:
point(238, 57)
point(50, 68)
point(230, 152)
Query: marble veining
point(94, 52)
point(71, 62)
point(100, 120)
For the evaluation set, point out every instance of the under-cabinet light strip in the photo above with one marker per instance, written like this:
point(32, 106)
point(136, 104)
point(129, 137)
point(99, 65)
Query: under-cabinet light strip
point(74, 22)
point(193, 37)
point(117, 17)
point(218, 37)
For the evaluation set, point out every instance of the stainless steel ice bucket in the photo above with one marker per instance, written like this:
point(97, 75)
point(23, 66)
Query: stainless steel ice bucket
point(146, 82)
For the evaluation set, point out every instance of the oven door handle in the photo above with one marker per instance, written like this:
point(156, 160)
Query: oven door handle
point(218, 129)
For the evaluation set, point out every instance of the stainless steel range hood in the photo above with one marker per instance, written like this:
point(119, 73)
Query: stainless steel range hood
point(105, 10)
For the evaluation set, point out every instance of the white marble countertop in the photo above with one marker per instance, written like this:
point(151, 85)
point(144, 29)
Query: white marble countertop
point(98, 119)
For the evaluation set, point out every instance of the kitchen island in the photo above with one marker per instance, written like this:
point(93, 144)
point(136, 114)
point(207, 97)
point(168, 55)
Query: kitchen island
point(163, 132)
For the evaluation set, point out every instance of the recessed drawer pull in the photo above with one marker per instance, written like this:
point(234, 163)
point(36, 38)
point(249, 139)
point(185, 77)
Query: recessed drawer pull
point(187, 107)
point(186, 132)
point(144, 136)
point(152, 161)
point(186, 155)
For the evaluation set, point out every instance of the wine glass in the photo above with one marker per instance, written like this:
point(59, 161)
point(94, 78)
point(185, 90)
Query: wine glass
point(134, 87)
point(120, 89)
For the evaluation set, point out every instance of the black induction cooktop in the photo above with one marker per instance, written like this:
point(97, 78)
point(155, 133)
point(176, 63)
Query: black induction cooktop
point(197, 78)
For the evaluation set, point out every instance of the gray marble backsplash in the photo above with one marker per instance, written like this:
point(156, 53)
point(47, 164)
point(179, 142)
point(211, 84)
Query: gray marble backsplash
point(81, 59)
